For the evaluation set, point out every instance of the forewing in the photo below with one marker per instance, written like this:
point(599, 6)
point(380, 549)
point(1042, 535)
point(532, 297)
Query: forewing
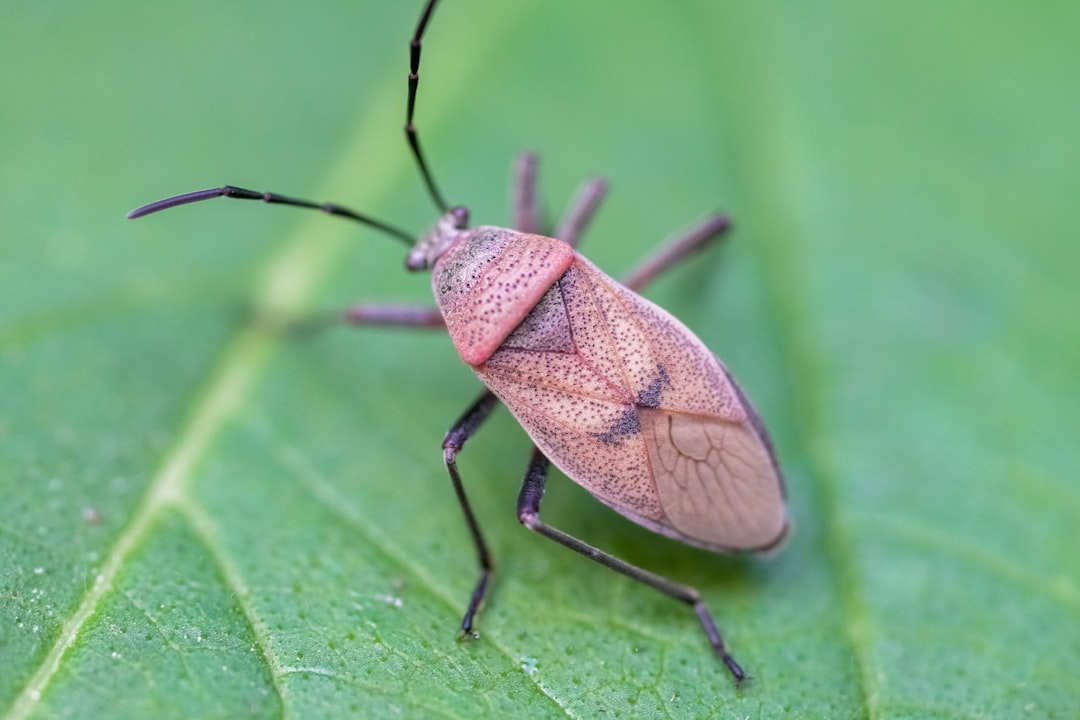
point(633, 407)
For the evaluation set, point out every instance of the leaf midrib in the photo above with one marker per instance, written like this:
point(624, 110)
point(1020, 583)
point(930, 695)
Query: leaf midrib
point(289, 279)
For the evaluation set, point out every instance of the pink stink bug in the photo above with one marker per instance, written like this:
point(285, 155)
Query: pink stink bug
point(613, 390)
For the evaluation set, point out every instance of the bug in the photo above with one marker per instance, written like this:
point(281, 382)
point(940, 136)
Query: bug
point(613, 390)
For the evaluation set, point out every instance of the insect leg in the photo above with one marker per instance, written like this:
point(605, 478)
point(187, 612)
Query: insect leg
point(455, 439)
point(416, 316)
point(526, 214)
point(528, 509)
point(412, 316)
point(676, 250)
point(581, 211)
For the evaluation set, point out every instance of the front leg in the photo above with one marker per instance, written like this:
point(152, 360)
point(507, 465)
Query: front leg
point(578, 215)
point(455, 440)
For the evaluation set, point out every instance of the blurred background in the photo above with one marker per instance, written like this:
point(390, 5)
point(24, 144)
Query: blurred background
point(202, 518)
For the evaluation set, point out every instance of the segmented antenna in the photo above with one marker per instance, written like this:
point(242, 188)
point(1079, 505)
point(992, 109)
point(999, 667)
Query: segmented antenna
point(274, 199)
point(331, 208)
point(410, 129)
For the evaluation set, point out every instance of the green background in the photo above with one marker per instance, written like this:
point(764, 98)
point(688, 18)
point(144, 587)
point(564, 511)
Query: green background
point(202, 519)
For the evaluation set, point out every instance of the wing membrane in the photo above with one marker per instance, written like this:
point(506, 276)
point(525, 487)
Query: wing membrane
point(715, 480)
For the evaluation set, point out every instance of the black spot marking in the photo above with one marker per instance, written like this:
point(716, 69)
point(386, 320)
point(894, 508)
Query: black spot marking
point(627, 424)
point(650, 396)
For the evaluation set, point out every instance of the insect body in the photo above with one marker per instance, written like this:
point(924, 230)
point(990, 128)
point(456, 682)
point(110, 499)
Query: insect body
point(620, 395)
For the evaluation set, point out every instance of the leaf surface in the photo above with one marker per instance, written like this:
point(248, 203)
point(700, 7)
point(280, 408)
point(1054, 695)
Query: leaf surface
point(206, 519)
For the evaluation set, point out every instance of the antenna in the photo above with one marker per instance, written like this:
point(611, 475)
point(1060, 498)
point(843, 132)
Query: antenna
point(410, 129)
point(274, 199)
point(411, 135)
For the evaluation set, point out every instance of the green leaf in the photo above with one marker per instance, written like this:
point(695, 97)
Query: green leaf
point(205, 519)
